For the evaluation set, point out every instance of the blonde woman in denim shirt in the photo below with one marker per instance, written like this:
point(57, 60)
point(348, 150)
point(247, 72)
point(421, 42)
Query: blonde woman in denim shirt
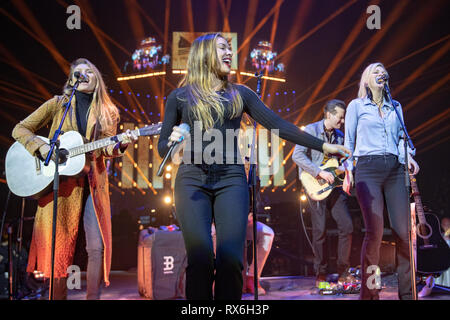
point(373, 133)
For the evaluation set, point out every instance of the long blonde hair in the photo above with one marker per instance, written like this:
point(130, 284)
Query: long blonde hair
point(364, 90)
point(203, 67)
point(104, 109)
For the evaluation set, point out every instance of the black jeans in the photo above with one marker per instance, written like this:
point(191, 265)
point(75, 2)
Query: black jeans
point(204, 193)
point(336, 202)
point(380, 179)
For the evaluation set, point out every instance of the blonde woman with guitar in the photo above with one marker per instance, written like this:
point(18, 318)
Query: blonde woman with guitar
point(94, 116)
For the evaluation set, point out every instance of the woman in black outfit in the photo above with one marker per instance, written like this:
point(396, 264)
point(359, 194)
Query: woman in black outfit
point(214, 186)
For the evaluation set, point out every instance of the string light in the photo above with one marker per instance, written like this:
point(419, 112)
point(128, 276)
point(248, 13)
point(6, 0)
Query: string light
point(139, 76)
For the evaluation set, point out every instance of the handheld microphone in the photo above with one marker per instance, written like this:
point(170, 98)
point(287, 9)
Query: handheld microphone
point(383, 78)
point(81, 77)
point(169, 152)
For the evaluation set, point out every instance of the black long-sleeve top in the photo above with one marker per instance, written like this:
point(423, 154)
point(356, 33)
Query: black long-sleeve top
point(83, 102)
point(177, 111)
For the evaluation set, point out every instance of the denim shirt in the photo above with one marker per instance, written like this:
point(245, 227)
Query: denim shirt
point(367, 133)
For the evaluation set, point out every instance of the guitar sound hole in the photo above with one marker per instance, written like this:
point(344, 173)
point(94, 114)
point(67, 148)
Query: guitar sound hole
point(63, 156)
point(424, 230)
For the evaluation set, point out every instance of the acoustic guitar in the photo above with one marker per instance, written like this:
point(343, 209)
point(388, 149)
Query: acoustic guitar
point(27, 176)
point(432, 251)
point(318, 188)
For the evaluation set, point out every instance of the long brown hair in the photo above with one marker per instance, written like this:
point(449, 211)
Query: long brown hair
point(104, 109)
point(202, 68)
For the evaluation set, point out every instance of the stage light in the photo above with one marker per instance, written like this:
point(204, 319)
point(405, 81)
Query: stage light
point(267, 208)
point(169, 167)
point(263, 77)
point(303, 197)
point(167, 199)
point(139, 76)
point(303, 128)
point(168, 175)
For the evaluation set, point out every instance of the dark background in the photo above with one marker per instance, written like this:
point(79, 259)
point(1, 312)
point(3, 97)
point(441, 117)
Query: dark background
point(36, 48)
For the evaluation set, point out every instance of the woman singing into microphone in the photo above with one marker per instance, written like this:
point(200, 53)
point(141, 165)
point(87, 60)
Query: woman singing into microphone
point(373, 133)
point(94, 116)
point(216, 190)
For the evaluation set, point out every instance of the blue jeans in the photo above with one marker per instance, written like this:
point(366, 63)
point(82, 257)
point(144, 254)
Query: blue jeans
point(94, 248)
point(380, 179)
point(204, 193)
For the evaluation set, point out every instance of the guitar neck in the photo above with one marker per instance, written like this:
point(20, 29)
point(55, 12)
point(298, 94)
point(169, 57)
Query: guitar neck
point(91, 146)
point(417, 199)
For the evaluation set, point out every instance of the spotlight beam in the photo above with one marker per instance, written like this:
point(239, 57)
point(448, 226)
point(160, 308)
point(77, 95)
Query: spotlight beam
point(139, 171)
point(19, 66)
point(125, 87)
point(412, 54)
point(9, 117)
point(367, 50)
point(150, 20)
point(20, 104)
point(39, 34)
point(20, 94)
point(423, 67)
point(11, 60)
point(6, 142)
point(135, 20)
point(360, 24)
point(225, 13)
point(427, 92)
point(441, 132)
point(319, 26)
point(272, 40)
point(434, 144)
point(27, 93)
point(249, 23)
point(407, 32)
point(190, 15)
point(426, 125)
point(393, 17)
point(260, 25)
point(166, 40)
point(212, 16)
point(303, 10)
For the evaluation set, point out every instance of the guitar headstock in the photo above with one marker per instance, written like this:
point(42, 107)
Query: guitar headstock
point(150, 130)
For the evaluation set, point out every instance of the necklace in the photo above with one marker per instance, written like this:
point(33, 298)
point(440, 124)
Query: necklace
point(378, 102)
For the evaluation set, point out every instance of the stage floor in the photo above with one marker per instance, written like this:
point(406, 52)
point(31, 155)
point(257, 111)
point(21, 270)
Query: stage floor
point(124, 287)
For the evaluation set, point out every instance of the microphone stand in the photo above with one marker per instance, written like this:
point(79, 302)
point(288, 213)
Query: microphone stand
point(54, 147)
point(406, 141)
point(252, 182)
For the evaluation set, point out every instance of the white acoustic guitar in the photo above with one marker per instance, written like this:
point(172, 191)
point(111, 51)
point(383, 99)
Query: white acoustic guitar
point(319, 189)
point(27, 176)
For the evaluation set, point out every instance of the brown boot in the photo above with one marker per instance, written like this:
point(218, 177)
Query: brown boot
point(250, 285)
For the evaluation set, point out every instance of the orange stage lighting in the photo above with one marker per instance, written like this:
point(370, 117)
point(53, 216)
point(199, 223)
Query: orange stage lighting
point(140, 76)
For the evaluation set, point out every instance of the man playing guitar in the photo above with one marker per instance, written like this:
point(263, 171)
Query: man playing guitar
point(310, 161)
